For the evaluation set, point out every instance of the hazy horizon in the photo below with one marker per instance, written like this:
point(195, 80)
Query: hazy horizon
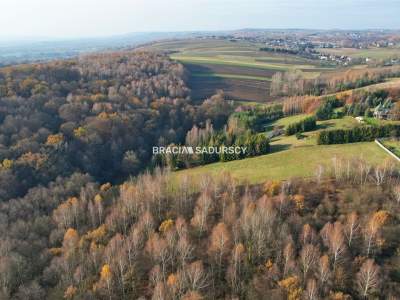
point(71, 19)
point(38, 38)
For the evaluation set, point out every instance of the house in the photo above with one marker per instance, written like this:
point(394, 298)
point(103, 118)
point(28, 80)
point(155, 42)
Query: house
point(360, 119)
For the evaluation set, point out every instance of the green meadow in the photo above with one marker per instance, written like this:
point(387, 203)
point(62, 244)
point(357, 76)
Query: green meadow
point(293, 162)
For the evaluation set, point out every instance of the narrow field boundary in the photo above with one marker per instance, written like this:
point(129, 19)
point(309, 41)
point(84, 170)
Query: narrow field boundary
point(386, 149)
point(231, 76)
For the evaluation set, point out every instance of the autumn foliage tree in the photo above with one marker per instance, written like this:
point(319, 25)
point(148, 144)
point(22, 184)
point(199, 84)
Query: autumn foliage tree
point(203, 238)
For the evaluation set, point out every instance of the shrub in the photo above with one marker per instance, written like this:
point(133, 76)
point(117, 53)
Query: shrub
point(326, 110)
point(308, 124)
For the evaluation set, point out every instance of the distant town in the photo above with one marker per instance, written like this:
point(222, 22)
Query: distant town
point(321, 45)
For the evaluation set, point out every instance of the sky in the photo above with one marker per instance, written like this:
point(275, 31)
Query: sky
point(93, 18)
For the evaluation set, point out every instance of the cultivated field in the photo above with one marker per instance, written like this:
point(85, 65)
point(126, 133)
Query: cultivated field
point(238, 68)
point(244, 72)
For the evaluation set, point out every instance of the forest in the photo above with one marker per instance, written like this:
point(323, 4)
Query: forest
point(98, 115)
point(86, 212)
point(330, 237)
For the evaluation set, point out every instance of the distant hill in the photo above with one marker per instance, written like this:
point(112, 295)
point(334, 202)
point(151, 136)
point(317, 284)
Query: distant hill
point(43, 49)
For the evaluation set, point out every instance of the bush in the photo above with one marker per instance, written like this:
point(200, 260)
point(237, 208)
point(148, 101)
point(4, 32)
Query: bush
point(257, 118)
point(326, 110)
point(308, 124)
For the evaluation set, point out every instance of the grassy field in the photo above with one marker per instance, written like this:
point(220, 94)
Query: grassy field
point(342, 123)
point(310, 138)
point(374, 53)
point(376, 122)
point(292, 157)
point(392, 145)
point(289, 120)
point(293, 162)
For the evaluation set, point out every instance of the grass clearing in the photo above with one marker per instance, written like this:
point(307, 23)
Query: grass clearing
point(377, 122)
point(309, 138)
point(346, 122)
point(393, 145)
point(292, 157)
point(250, 103)
point(293, 162)
point(290, 120)
point(342, 123)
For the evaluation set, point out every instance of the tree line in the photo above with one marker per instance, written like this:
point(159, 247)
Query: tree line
point(294, 83)
point(357, 134)
point(242, 144)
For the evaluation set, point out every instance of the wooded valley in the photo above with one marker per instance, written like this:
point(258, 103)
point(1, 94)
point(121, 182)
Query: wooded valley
point(86, 212)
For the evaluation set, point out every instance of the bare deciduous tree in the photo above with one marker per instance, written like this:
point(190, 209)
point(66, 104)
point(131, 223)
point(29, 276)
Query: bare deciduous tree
point(158, 249)
point(324, 269)
point(311, 292)
point(396, 192)
point(184, 249)
point(352, 227)
point(334, 238)
point(319, 172)
point(372, 230)
point(220, 242)
point(368, 278)
point(308, 257)
point(196, 276)
point(288, 258)
point(308, 235)
point(235, 269)
point(202, 211)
